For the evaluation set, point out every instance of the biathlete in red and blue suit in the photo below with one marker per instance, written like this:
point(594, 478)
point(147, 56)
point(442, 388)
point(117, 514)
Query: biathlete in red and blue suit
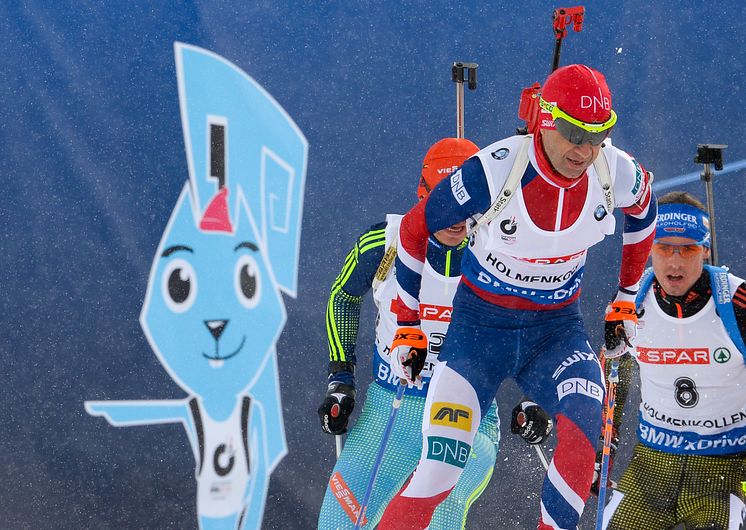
point(551, 196)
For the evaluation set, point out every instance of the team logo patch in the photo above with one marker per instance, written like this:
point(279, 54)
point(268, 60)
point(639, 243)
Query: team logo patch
point(674, 355)
point(448, 450)
point(501, 154)
point(600, 212)
point(721, 355)
point(451, 415)
point(458, 189)
point(509, 226)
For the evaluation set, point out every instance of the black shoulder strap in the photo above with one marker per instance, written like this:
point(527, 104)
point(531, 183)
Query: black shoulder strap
point(245, 412)
point(199, 429)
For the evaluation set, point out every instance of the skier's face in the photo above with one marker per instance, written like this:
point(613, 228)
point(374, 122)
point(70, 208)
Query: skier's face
point(453, 235)
point(568, 159)
point(677, 267)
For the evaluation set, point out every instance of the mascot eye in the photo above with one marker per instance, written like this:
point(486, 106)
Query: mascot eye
point(248, 281)
point(179, 285)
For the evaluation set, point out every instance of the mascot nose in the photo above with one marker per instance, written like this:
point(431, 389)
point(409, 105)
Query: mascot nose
point(216, 327)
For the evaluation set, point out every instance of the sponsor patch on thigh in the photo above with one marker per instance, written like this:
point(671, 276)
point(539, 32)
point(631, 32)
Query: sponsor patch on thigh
point(345, 497)
point(578, 385)
point(448, 450)
point(451, 415)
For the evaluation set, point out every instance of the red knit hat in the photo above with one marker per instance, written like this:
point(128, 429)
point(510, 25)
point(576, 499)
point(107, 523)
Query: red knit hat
point(578, 90)
point(441, 160)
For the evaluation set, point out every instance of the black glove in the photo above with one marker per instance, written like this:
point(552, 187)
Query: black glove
point(531, 422)
point(597, 465)
point(336, 408)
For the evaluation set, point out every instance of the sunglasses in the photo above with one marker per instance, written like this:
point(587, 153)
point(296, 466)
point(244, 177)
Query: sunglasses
point(685, 251)
point(576, 131)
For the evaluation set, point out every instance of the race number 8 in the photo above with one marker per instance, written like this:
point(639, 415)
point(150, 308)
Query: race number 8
point(685, 392)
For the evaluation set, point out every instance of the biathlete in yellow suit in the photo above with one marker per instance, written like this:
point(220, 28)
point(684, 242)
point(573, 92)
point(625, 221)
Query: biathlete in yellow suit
point(690, 460)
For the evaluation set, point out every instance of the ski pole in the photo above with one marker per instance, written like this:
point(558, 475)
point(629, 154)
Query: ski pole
point(542, 456)
point(395, 404)
point(460, 73)
point(708, 154)
point(337, 437)
point(606, 453)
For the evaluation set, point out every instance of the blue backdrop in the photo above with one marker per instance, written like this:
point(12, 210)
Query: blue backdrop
point(92, 161)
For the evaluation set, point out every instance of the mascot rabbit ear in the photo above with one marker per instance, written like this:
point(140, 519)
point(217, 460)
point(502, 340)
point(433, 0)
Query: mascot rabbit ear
point(237, 136)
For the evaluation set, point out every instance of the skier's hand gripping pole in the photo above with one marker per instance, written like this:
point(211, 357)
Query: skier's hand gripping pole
point(531, 422)
point(408, 354)
point(534, 425)
point(334, 412)
point(620, 327)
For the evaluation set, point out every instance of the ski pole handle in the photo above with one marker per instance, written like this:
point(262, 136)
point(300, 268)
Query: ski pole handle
point(710, 154)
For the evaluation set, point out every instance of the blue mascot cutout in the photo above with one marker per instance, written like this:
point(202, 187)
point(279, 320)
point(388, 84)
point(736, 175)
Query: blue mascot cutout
point(213, 309)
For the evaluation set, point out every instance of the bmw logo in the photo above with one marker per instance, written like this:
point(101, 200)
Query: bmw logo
point(600, 212)
point(501, 154)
